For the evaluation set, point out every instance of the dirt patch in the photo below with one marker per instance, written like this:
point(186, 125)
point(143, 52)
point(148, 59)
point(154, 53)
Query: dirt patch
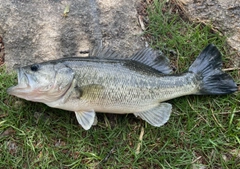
point(2, 54)
point(222, 16)
point(37, 31)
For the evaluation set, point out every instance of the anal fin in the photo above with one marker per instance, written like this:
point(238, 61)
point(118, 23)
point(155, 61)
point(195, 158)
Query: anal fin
point(86, 118)
point(158, 115)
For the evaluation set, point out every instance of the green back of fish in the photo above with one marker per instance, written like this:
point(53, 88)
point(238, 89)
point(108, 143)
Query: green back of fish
point(126, 82)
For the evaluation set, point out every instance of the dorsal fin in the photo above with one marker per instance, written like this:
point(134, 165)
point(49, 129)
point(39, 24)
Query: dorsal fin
point(105, 53)
point(155, 59)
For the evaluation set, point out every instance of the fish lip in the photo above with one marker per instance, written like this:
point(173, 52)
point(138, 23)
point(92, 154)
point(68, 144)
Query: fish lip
point(23, 82)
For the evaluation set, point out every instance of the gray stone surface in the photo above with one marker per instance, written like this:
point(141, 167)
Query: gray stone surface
point(224, 15)
point(36, 30)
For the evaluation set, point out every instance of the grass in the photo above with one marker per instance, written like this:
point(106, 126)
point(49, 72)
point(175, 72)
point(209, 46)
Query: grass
point(202, 131)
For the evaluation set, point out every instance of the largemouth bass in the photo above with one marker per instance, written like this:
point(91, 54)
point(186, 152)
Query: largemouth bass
point(110, 83)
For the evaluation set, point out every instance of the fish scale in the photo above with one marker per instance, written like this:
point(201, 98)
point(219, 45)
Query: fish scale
point(136, 90)
point(111, 83)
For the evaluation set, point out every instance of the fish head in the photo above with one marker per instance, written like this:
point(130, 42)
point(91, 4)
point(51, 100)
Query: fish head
point(44, 82)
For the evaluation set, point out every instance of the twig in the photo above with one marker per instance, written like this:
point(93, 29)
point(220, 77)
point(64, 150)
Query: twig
point(238, 111)
point(148, 1)
point(198, 158)
point(108, 155)
point(140, 19)
point(231, 69)
point(107, 123)
point(217, 121)
point(140, 140)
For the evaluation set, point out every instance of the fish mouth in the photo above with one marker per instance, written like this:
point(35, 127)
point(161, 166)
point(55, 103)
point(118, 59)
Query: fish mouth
point(23, 84)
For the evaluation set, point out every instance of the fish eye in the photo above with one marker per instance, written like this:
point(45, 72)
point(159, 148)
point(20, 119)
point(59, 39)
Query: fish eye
point(35, 67)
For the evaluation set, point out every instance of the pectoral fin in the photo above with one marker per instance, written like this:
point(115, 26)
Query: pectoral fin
point(86, 118)
point(157, 116)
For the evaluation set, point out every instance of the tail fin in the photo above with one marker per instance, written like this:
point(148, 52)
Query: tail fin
point(208, 66)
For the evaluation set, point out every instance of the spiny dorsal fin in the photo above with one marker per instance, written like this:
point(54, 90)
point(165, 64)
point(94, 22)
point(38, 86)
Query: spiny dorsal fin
point(153, 58)
point(157, 116)
point(105, 52)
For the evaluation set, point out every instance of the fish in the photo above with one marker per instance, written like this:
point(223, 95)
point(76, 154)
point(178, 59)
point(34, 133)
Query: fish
point(109, 82)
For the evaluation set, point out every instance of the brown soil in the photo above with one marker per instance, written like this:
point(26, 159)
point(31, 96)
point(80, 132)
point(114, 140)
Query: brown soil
point(1, 51)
